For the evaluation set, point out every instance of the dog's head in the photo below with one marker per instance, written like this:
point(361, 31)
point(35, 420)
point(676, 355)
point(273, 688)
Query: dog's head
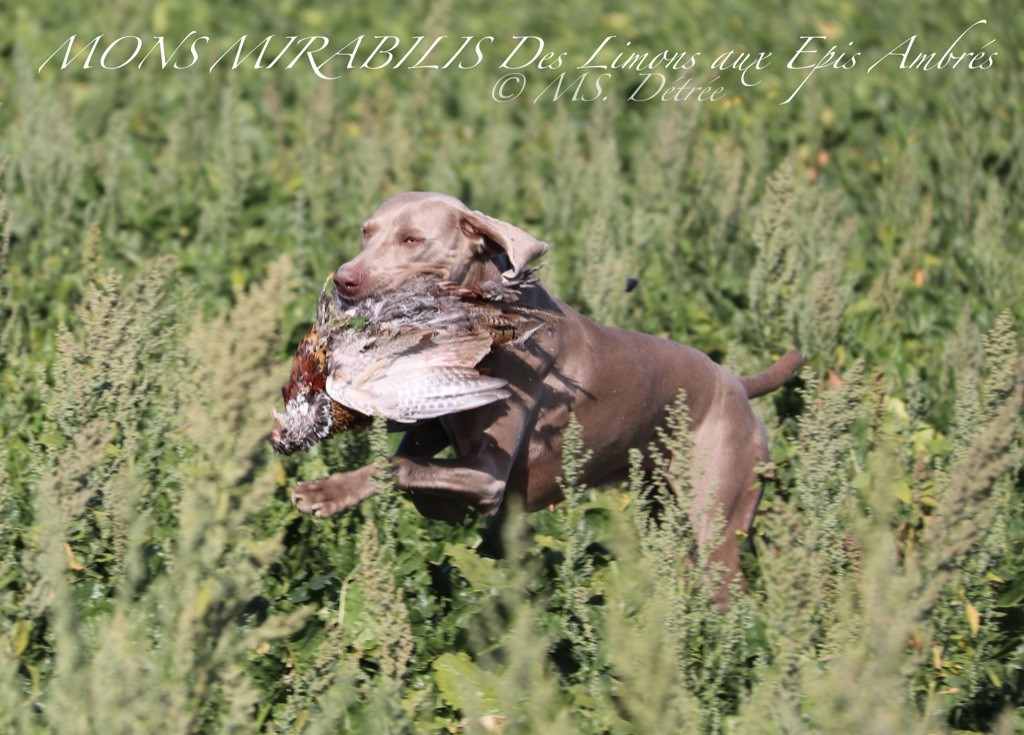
point(426, 233)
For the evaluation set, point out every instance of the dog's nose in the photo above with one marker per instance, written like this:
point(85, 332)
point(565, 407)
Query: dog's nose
point(348, 279)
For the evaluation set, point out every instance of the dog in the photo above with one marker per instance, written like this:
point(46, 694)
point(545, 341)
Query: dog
point(619, 384)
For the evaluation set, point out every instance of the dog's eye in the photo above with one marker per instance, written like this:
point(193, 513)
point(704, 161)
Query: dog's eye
point(411, 240)
point(366, 233)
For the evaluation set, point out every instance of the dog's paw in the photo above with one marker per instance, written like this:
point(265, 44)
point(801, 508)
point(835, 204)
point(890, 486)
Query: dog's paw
point(325, 497)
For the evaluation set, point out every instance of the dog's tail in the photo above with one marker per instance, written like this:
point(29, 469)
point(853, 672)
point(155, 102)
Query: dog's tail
point(775, 376)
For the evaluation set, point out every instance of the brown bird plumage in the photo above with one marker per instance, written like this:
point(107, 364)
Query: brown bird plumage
point(406, 355)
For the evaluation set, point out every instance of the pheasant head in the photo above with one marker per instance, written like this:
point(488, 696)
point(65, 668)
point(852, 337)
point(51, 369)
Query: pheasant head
point(310, 415)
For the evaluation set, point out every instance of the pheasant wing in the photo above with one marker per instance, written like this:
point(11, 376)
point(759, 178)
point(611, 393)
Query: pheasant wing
point(414, 379)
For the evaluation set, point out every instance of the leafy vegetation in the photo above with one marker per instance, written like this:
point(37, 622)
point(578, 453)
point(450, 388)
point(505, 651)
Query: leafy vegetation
point(163, 235)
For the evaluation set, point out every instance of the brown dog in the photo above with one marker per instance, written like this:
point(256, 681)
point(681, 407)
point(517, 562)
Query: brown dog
point(618, 383)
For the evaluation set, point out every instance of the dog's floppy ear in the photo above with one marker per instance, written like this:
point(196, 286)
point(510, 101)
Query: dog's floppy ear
point(520, 246)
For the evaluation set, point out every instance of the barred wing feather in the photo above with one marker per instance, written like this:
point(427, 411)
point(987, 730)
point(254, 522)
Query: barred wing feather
point(411, 380)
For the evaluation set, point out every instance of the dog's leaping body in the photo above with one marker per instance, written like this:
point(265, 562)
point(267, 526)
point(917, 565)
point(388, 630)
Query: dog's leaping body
point(619, 384)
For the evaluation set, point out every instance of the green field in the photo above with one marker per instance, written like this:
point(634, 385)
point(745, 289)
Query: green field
point(164, 233)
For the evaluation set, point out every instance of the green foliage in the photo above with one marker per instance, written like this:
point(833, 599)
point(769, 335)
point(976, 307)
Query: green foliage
point(162, 235)
point(576, 571)
point(797, 290)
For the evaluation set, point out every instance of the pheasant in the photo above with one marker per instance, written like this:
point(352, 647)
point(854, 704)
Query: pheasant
point(407, 355)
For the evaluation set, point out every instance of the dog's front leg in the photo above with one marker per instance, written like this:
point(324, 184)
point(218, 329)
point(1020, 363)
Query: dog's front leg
point(440, 488)
point(337, 493)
